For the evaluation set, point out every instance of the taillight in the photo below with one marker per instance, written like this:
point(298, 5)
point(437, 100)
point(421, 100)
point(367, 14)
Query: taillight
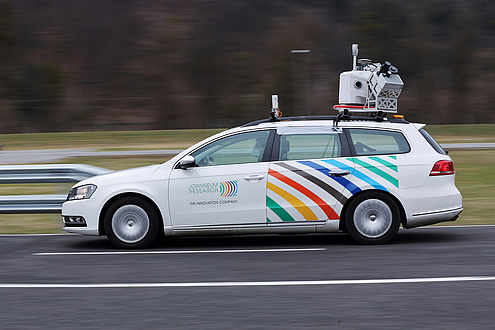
point(443, 167)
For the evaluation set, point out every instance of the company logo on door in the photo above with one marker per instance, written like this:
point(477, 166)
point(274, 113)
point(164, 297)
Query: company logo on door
point(228, 188)
point(223, 189)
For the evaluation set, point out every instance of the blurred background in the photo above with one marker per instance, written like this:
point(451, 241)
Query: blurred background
point(152, 64)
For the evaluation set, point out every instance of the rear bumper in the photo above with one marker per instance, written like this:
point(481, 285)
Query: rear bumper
point(430, 218)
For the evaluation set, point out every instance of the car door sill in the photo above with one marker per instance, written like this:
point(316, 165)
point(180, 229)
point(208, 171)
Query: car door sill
point(298, 223)
point(250, 225)
point(299, 227)
point(219, 227)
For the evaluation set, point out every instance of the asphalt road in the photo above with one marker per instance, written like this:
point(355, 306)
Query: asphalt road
point(434, 277)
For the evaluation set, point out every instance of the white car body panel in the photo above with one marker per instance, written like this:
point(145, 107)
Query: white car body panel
point(218, 195)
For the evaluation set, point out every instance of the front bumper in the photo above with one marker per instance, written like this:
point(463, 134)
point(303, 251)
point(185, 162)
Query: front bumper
point(74, 211)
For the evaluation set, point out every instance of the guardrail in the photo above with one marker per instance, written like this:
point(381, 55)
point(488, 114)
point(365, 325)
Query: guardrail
point(21, 174)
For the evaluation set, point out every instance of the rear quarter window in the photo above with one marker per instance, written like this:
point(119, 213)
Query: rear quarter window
point(377, 142)
point(434, 144)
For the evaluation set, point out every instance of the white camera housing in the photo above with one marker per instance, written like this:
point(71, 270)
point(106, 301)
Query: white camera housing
point(369, 87)
point(353, 88)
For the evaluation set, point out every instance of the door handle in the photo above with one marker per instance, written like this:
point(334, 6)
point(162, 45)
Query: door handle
point(340, 173)
point(254, 177)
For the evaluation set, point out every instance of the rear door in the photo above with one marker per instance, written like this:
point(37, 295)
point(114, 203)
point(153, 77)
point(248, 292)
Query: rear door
point(377, 155)
point(310, 181)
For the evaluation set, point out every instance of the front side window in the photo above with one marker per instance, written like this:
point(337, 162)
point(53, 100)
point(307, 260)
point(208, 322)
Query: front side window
point(309, 146)
point(236, 149)
point(377, 142)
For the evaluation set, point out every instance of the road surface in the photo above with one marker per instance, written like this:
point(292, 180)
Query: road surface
point(432, 277)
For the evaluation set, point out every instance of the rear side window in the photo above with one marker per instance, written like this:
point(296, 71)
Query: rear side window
point(435, 145)
point(309, 146)
point(377, 142)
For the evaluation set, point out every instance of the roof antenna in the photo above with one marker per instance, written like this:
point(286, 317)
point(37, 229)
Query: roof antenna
point(275, 113)
point(355, 53)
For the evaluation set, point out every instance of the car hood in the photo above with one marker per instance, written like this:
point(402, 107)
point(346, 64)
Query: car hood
point(129, 175)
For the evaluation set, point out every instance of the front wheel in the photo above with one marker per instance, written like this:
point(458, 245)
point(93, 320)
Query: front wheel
point(373, 218)
point(131, 222)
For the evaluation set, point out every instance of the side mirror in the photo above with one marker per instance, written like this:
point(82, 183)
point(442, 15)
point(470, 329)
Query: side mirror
point(187, 162)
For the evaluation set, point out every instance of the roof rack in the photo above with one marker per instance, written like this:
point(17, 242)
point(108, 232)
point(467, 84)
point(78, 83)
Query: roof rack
point(336, 119)
point(296, 118)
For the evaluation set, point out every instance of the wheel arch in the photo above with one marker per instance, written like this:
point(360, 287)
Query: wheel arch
point(101, 219)
point(345, 209)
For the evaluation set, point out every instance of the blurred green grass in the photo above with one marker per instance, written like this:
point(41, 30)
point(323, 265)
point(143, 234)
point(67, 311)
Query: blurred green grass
point(481, 133)
point(475, 177)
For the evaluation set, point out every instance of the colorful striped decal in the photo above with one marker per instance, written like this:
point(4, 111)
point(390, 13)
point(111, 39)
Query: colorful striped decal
point(356, 173)
point(377, 171)
point(294, 201)
point(279, 210)
point(306, 189)
point(341, 180)
point(320, 183)
point(304, 196)
point(315, 198)
point(393, 167)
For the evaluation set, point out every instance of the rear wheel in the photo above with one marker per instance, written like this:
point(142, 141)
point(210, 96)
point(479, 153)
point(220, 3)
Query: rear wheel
point(373, 218)
point(132, 222)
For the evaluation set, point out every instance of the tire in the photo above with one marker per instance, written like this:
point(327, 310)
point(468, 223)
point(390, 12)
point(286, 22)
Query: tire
point(132, 223)
point(373, 218)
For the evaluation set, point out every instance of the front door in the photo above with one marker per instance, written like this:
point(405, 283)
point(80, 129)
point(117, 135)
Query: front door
point(228, 186)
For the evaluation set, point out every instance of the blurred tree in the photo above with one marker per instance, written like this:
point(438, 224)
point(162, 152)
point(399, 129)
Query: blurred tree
point(124, 64)
point(7, 63)
point(39, 93)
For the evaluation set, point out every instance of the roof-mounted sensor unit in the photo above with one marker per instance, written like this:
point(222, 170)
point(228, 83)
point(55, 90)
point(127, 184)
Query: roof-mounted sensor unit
point(369, 87)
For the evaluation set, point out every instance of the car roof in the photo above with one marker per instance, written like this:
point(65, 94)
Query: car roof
point(309, 121)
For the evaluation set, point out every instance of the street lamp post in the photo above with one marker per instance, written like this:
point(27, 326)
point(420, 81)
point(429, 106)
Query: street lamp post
point(301, 85)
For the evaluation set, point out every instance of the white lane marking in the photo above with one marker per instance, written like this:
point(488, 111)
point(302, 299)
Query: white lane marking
point(172, 252)
point(450, 226)
point(242, 284)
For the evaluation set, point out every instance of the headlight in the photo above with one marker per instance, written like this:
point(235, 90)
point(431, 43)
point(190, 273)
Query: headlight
point(82, 192)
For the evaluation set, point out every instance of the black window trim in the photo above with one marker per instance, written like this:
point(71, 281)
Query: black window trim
point(269, 146)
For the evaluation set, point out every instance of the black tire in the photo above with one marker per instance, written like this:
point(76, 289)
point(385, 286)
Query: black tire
point(132, 223)
point(373, 218)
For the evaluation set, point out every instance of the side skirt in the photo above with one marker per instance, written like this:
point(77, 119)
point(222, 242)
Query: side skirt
point(306, 227)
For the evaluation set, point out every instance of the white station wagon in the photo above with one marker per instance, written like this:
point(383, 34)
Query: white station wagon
point(362, 177)
point(365, 176)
